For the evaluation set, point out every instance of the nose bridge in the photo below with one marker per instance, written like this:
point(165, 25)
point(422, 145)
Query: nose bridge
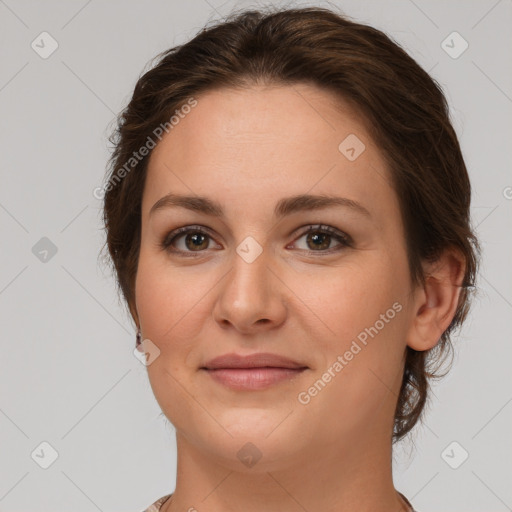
point(250, 293)
point(248, 284)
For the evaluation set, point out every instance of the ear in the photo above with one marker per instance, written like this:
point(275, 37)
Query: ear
point(435, 302)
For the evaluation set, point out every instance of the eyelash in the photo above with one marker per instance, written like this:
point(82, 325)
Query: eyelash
point(343, 239)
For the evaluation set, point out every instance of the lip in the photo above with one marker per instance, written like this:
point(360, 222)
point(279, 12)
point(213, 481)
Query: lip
point(252, 372)
point(253, 379)
point(259, 360)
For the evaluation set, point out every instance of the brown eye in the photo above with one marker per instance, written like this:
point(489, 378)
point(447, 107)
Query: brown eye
point(187, 240)
point(196, 241)
point(320, 239)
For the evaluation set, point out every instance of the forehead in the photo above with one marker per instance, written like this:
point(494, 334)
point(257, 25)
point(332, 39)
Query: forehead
point(264, 142)
point(279, 116)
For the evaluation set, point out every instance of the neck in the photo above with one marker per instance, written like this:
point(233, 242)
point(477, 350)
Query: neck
point(322, 477)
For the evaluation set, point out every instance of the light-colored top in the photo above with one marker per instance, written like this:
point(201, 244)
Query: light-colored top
point(157, 505)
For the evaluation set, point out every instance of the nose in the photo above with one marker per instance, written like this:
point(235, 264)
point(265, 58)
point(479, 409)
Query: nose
point(251, 298)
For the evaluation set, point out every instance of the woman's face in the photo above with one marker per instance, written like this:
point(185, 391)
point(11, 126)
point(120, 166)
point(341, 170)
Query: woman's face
point(249, 279)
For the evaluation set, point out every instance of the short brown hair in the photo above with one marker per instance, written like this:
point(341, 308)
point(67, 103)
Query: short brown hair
point(405, 111)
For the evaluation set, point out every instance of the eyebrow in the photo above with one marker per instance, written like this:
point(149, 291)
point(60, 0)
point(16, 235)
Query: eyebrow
point(284, 207)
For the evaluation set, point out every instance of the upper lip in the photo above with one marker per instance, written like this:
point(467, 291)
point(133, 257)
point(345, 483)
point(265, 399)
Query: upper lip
point(252, 361)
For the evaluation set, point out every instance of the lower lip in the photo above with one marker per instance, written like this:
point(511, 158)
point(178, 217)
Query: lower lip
point(253, 378)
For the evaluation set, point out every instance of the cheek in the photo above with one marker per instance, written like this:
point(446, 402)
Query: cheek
point(167, 297)
point(361, 318)
point(172, 311)
point(352, 297)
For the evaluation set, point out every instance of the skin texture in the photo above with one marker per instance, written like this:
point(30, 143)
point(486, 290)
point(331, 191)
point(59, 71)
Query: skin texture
point(247, 149)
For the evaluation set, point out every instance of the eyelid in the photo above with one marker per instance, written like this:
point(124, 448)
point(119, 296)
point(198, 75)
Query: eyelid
point(343, 238)
point(325, 229)
point(175, 233)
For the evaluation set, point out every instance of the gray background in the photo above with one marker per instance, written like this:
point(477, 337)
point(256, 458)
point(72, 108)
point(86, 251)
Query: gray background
point(67, 372)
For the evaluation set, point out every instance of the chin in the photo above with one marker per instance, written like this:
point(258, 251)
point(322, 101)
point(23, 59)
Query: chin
point(254, 454)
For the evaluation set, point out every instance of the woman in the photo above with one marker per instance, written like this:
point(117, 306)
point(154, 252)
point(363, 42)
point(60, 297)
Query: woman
point(287, 212)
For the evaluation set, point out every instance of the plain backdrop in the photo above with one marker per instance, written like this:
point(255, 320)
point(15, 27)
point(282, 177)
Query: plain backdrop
point(68, 376)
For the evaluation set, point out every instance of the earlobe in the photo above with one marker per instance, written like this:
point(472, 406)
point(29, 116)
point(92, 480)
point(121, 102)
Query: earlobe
point(436, 302)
